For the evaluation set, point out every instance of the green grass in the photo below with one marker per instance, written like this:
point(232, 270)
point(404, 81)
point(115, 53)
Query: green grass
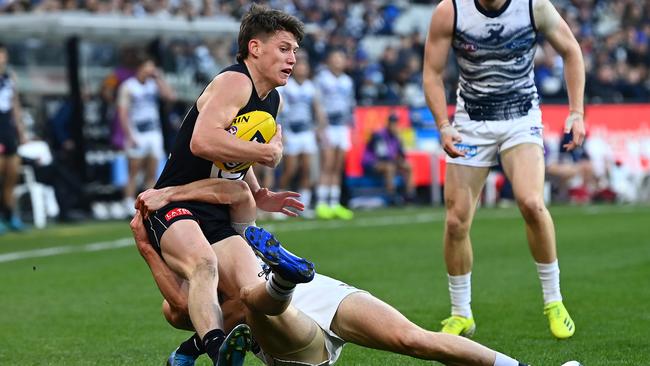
point(102, 307)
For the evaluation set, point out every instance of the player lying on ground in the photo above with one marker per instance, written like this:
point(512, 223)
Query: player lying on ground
point(314, 327)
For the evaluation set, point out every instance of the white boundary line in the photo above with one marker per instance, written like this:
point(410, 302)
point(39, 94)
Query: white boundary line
point(48, 252)
point(406, 218)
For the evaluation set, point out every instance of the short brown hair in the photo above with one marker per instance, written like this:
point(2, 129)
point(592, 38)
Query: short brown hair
point(260, 20)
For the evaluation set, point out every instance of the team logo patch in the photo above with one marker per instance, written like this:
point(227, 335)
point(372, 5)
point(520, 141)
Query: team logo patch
point(469, 150)
point(469, 47)
point(177, 212)
point(536, 131)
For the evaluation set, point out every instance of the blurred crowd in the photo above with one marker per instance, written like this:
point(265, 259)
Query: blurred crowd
point(614, 36)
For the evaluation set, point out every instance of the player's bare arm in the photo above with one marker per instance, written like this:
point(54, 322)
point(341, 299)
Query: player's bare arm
point(218, 106)
point(559, 35)
point(123, 105)
point(17, 111)
point(218, 191)
point(436, 50)
point(165, 90)
point(169, 283)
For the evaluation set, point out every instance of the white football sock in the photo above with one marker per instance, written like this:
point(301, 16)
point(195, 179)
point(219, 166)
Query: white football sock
point(279, 288)
point(305, 197)
point(335, 195)
point(460, 292)
point(322, 193)
point(503, 360)
point(549, 276)
point(241, 226)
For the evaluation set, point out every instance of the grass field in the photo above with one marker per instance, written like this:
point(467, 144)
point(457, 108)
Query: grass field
point(96, 304)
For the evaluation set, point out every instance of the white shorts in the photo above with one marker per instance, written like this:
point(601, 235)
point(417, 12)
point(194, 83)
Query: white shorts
point(299, 143)
point(338, 137)
point(148, 144)
point(319, 300)
point(484, 140)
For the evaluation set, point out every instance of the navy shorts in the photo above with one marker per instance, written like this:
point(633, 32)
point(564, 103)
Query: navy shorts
point(214, 220)
point(8, 136)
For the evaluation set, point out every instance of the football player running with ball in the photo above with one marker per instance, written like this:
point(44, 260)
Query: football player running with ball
point(497, 113)
point(191, 235)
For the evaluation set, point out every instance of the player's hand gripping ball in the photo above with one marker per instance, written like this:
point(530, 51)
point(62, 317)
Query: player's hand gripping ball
point(257, 126)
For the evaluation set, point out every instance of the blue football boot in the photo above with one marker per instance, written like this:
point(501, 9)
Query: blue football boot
point(16, 224)
point(282, 262)
point(233, 349)
point(177, 359)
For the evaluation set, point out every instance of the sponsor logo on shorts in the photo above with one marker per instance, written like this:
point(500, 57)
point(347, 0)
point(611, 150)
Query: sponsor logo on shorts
point(536, 131)
point(177, 212)
point(469, 150)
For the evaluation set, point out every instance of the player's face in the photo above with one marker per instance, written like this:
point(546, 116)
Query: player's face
point(301, 70)
point(147, 69)
point(336, 62)
point(279, 57)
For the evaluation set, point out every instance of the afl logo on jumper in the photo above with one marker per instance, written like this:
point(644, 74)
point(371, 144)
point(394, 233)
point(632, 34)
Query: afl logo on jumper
point(177, 212)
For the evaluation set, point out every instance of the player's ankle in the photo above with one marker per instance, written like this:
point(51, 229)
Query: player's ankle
point(212, 340)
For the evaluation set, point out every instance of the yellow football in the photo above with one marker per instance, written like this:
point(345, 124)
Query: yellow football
point(252, 126)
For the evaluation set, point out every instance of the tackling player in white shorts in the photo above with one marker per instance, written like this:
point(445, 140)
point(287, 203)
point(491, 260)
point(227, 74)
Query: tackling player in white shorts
point(310, 324)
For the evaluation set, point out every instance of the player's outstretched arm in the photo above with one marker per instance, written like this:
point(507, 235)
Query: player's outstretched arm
point(234, 193)
point(210, 190)
point(436, 50)
point(559, 35)
point(218, 106)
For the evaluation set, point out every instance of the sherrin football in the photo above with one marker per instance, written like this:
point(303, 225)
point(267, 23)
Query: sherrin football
point(257, 126)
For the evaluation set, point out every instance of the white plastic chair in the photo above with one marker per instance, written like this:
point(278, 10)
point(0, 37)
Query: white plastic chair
point(41, 196)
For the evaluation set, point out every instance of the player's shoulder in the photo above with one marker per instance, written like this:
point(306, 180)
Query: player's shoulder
point(443, 20)
point(445, 8)
point(233, 81)
point(129, 83)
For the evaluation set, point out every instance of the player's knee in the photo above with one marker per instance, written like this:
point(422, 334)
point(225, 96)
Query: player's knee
point(456, 225)
point(204, 266)
point(412, 342)
point(531, 207)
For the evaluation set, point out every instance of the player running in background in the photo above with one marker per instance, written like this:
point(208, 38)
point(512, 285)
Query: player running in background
point(338, 104)
point(12, 134)
point(192, 236)
point(302, 113)
point(139, 114)
point(498, 113)
point(311, 325)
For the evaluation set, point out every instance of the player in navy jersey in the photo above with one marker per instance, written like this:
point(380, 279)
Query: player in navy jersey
point(11, 135)
point(498, 113)
point(191, 235)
